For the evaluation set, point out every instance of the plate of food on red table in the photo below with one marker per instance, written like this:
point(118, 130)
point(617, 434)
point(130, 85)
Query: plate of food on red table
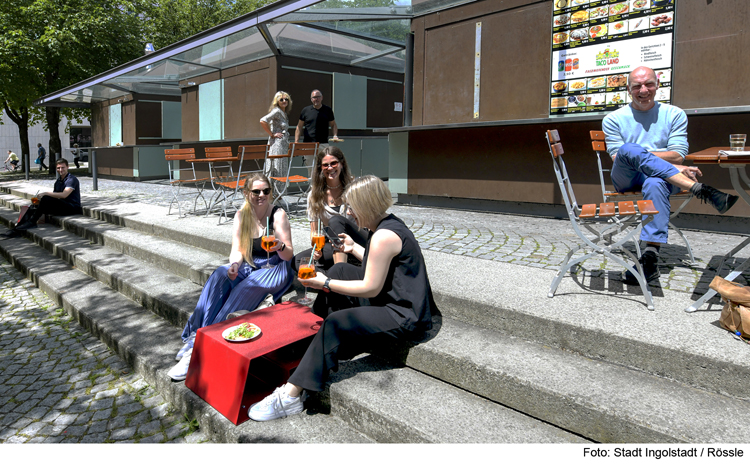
point(240, 333)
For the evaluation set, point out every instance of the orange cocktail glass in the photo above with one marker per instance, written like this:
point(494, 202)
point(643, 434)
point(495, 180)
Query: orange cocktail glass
point(267, 242)
point(306, 271)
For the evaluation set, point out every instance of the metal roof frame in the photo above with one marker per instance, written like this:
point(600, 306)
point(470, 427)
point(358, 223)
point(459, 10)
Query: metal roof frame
point(261, 15)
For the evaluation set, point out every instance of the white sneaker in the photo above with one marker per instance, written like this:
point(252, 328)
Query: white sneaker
point(180, 370)
point(277, 405)
point(186, 347)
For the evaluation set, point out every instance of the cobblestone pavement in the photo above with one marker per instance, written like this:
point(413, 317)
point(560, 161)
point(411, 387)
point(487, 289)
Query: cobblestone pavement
point(531, 241)
point(59, 384)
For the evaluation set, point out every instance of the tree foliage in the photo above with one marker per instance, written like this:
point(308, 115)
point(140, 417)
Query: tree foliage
point(169, 21)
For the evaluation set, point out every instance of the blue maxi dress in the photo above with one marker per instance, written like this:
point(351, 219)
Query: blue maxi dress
point(221, 296)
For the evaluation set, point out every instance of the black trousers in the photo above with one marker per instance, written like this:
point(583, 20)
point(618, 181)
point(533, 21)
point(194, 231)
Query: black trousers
point(339, 225)
point(55, 207)
point(349, 329)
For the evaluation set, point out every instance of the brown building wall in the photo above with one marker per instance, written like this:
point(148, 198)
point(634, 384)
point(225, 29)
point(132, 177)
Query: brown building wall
point(128, 123)
point(99, 125)
point(516, 49)
point(190, 127)
point(512, 163)
point(247, 94)
point(249, 90)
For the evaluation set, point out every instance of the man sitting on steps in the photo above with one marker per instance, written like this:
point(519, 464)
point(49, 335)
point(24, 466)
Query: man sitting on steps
point(648, 143)
point(64, 200)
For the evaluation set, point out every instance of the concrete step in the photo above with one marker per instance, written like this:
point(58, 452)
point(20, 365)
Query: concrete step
point(615, 327)
point(687, 347)
point(597, 400)
point(591, 398)
point(148, 343)
point(514, 320)
point(189, 262)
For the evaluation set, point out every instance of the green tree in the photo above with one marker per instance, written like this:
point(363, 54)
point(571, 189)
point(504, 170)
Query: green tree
point(47, 45)
point(169, 21)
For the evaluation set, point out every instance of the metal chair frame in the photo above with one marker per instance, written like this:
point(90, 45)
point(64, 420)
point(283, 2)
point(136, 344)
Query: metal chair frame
point(599, 146)
point(231, 189)
point(180, 187)
point(605, 222)
point(303, 150)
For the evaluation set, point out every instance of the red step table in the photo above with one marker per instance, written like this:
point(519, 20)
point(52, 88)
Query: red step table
point(231, 376)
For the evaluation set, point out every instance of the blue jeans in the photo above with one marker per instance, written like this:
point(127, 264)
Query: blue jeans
point(637, 169)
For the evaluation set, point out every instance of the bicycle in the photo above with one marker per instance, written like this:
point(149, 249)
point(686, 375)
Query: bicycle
point(9, 167)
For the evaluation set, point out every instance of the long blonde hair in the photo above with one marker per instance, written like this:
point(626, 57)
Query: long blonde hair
point(249, 219)
point(318, 191)
point(275, 102)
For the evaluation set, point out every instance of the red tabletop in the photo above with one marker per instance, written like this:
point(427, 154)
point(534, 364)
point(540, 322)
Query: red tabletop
point(219, 369)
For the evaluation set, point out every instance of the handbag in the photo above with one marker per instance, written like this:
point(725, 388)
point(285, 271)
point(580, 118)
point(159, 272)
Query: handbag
point(37, 161)
point(735, 316)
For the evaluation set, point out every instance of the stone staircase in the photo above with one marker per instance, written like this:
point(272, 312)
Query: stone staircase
point(496, 368)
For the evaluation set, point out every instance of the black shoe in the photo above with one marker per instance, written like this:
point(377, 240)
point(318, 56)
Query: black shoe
point(11, 233)
point(25, 226)
point(650, 264)
point(721, 201)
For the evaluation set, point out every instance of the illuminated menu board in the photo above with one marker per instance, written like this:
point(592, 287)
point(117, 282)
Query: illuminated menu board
point(595, 44)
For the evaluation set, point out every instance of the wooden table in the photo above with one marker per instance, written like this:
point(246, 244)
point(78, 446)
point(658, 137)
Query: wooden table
point(738, 175)
point(232, 376)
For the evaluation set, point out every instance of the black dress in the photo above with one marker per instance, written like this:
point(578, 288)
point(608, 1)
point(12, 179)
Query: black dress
point(403, 308)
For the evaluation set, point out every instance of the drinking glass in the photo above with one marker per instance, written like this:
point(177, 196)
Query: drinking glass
point(267, 243)
point(737, 142)
point(318, 241)
point(306, 271)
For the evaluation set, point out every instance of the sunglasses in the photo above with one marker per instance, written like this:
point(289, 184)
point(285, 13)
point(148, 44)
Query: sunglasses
point(332, 165)
point(283, 99)
point(264, 191)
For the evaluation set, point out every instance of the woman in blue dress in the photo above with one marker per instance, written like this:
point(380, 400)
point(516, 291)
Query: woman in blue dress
point(243, 283)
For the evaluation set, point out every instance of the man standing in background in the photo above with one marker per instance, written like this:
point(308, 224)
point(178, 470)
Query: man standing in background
point(315, 120)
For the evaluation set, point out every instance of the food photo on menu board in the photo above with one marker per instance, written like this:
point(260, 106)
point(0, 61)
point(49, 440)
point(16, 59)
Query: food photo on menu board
point(595, 45)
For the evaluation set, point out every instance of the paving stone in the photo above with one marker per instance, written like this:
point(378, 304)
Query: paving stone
point(98, 438)
point(156, 438)
point(123, 434)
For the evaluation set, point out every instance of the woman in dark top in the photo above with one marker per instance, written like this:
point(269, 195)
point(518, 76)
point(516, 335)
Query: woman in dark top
point(244, 283)
point(387, 298)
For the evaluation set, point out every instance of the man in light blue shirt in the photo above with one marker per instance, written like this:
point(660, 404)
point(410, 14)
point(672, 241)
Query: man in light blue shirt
point(648, 143)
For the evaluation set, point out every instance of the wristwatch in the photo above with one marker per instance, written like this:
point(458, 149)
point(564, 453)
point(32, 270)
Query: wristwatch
point(326, 288)
point(283, 246)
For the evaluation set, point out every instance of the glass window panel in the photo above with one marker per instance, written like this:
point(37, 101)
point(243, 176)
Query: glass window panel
point(211, 110)
point(115, 124)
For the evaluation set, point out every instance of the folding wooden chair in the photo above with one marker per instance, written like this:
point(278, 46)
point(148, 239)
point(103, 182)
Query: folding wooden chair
point(292, 185)
point(599, 146)
point(610, 225)
point(232, 189)
point(182, 178)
